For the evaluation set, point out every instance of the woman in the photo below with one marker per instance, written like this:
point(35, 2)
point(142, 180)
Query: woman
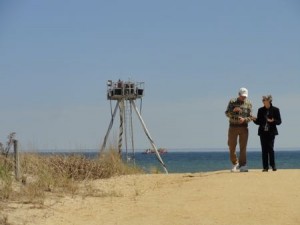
point(268, 117)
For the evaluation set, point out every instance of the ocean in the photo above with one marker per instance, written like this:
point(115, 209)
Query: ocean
point(203, 161)
point(191, 162)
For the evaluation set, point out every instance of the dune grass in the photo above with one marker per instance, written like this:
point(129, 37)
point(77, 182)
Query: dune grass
point(4, 220)
point(59, 174)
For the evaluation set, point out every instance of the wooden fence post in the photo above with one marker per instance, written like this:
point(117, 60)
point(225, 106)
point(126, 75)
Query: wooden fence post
point(17, 162)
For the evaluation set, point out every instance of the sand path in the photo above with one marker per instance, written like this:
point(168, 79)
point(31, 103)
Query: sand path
point(176, 199)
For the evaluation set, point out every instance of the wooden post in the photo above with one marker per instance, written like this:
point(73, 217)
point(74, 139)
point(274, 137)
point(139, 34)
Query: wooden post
point(17, 163)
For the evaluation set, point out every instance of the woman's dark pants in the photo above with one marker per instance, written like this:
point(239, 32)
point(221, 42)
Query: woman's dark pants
point(267, 147)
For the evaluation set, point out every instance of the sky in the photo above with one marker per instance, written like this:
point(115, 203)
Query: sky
point(56, 57)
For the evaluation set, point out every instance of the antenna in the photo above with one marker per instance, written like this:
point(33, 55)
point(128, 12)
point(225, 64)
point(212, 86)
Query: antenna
point(125, 93)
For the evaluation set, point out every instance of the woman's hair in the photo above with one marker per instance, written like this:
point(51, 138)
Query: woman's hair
point(267, 97)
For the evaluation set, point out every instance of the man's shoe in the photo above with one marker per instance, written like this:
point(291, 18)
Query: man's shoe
point(243, 169)
point(274, 168)
point(265, 170)
point(235, 168)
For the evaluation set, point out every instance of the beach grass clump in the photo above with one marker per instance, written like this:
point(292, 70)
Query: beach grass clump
point(112, 165)
point(4, 220)
point(57, 173)
point(5, 178)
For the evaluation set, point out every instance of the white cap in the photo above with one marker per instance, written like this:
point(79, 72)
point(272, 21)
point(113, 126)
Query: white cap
point(243, 92)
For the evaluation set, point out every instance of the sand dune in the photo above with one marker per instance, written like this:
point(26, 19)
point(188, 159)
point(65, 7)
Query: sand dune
point(217, 197)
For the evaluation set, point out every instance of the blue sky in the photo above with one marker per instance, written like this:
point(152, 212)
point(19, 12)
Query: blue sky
point(56, 56)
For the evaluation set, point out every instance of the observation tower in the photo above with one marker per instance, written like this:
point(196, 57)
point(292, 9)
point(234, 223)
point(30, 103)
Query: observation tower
point(125, 93)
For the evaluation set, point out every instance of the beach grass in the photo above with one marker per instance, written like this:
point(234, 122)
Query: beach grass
point(61, 174)
point(4, 220)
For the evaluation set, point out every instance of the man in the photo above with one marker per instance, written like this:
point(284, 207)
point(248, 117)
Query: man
point(268, 117)
point(239, 112)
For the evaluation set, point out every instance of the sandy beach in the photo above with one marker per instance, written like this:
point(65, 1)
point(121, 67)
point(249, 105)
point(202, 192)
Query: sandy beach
point(219, 197)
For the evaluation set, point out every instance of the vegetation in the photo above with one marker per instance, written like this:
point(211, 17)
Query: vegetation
point(4, 220)
point(60, 174)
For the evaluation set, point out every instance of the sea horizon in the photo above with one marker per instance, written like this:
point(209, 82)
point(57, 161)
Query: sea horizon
point(169, 150)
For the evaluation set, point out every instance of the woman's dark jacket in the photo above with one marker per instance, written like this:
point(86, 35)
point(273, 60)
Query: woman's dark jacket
point(272, 112)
